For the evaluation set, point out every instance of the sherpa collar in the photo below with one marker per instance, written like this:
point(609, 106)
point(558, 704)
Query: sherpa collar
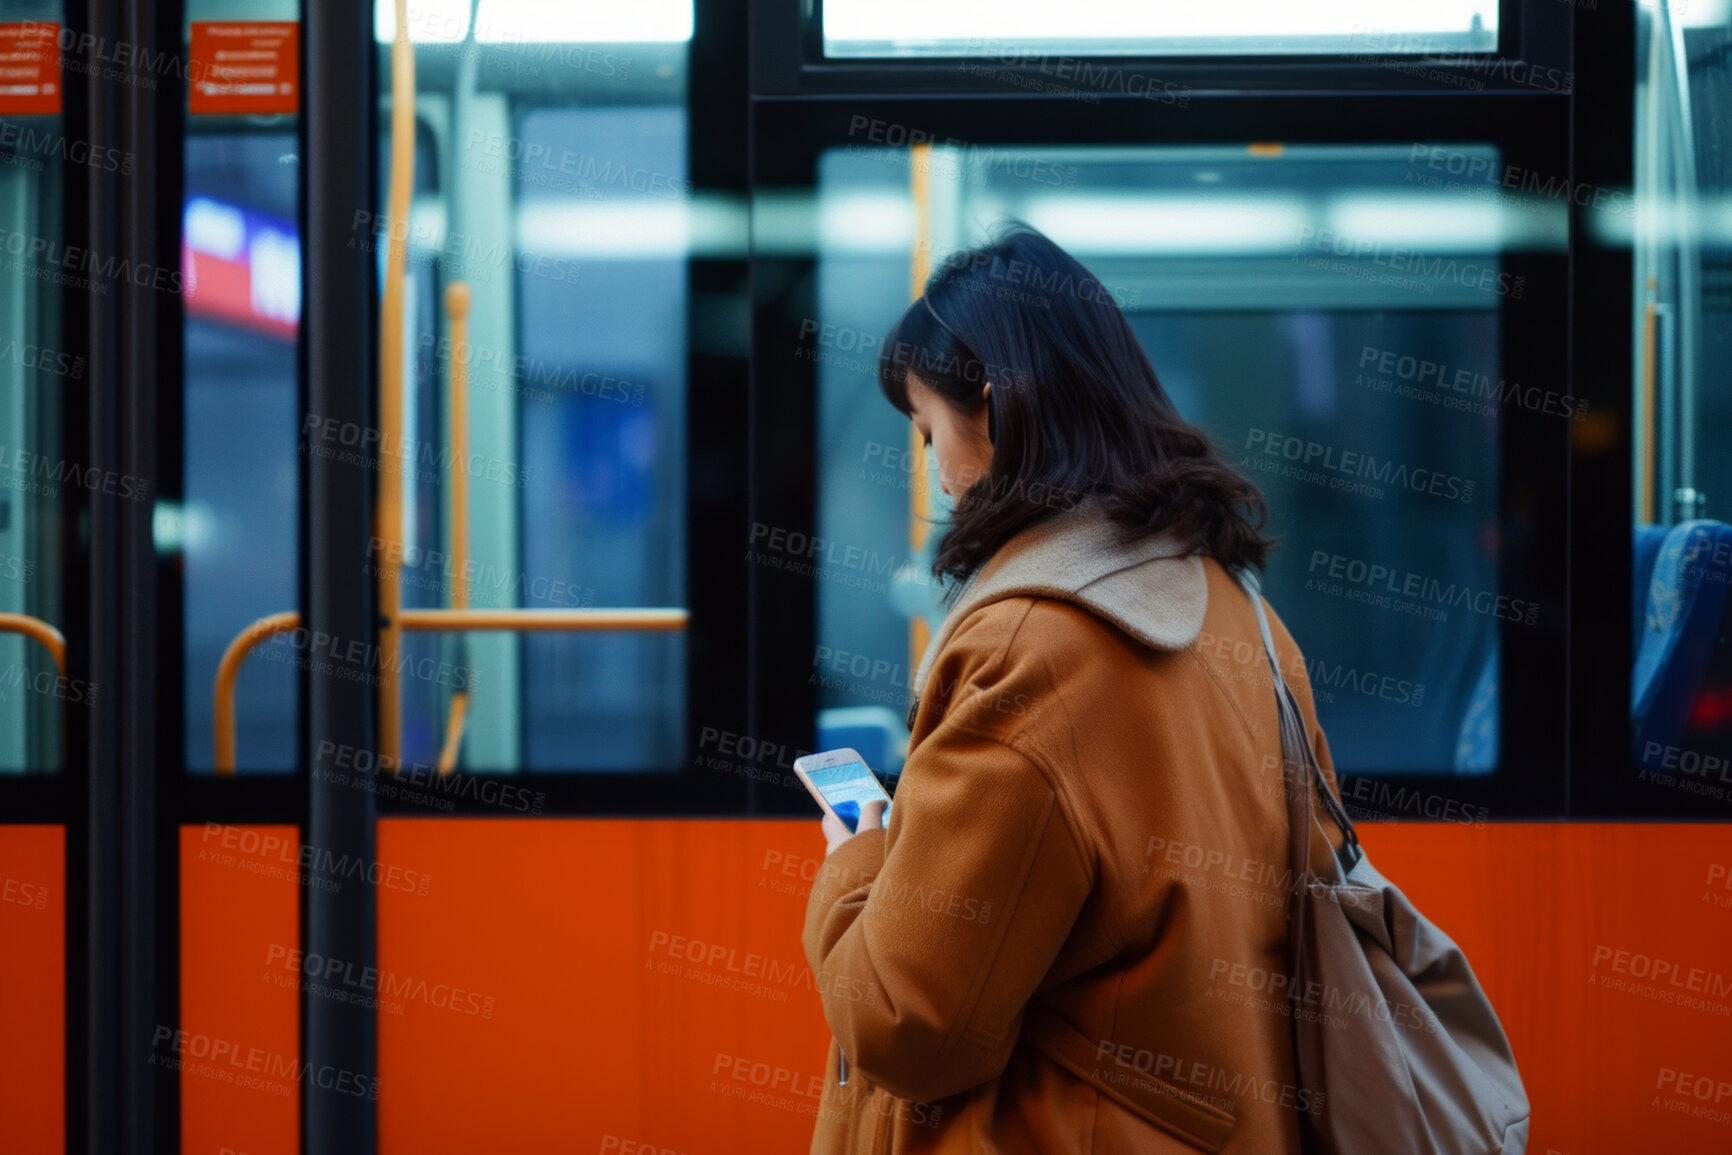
point(1147, 589)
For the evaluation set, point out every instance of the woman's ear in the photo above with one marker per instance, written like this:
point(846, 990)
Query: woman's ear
point(991, 414)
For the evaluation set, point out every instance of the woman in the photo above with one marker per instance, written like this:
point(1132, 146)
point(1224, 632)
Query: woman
point(1072, 937)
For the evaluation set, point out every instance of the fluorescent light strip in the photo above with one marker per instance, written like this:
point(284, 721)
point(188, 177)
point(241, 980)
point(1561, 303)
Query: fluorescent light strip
point(632, 232)
point(1695, 13)
point(1705, 222)
point(797, 223)
point(1450, 222)
point(979, 22)
point(541, 21)
point(1170, 224)
point(430, 21)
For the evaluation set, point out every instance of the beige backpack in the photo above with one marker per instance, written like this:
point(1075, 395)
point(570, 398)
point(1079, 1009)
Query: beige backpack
point(1415, 1063)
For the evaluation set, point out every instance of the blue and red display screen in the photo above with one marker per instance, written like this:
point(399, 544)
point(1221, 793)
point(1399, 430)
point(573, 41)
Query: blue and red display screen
point(241, 266)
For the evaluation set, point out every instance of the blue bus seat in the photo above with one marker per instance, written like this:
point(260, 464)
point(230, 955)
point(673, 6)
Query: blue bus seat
point(1687, 598)
point(1646, 548)
point(1477, 742)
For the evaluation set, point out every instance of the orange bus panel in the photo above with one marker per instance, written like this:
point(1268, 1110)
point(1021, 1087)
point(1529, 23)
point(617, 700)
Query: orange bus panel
point(237, 1047)
point(33, 989)
point(638, 982)
point(569, 984)
point(590, 985)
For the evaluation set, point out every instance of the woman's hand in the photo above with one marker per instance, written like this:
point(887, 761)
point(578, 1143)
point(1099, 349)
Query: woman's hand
point(835, 834)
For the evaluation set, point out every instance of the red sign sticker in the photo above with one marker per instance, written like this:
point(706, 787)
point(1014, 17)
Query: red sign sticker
point(247, 67)
point(30, 68)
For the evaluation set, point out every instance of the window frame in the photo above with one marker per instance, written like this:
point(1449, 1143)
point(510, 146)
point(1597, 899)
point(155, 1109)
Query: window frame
point(788, 58)
point(716, 637)
point(1534, 465)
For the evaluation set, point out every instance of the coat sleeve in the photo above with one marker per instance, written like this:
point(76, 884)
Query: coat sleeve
point(927, 943)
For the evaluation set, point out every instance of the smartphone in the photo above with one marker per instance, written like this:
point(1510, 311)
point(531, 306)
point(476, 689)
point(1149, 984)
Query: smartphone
point(841, 781)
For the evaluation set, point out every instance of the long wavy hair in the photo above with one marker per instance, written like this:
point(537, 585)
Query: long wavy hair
point(1075, 412)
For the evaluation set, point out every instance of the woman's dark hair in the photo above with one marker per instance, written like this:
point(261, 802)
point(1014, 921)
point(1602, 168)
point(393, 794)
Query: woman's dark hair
point(1076, 410)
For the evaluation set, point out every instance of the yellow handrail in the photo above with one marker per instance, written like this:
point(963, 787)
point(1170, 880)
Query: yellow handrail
point(454, 731)
point(388, 525)
point(1645, 408)
point(546, 621)
point(229, 671)
point(429, 621)
point(919, 501)
point(457, 312)
point(38, 631)
point(457, 309)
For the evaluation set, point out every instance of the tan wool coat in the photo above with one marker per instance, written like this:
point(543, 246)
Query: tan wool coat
point(1071, 938)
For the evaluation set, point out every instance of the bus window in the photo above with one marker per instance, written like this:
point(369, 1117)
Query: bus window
point(1331, 315)
point(238, 525)
point(551, 184)
point(1681, 682)
point(36, 372)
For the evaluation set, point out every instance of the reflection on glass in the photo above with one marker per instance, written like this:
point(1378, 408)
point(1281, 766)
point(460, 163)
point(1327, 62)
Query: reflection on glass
point(1331, 315)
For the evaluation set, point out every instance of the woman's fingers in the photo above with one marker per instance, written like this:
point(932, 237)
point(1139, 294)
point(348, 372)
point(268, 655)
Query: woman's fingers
point(835, 834)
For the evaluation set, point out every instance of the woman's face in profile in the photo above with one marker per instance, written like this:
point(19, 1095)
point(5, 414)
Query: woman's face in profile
point(958, 441)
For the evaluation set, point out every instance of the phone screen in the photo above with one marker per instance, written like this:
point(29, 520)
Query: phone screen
point(845, 787)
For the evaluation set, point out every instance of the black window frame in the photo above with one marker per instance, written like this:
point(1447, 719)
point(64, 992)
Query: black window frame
point(1534, 459)
point(718, 643)
point(716, 477)
point(788, 59)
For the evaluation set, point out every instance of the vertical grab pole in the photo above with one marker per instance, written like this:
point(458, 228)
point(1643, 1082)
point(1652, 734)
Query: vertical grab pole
point(388, 527)
point(339, 919)
point(919, 503)
point(457, 313)
point(1645, 411)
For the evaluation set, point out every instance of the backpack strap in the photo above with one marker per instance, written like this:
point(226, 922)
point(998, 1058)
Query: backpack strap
point(1299, 761)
